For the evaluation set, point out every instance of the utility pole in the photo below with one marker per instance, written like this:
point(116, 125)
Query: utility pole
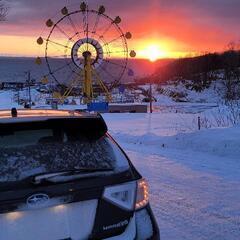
point(151, 102)
point(150, 90)
point(29, 88)
point(18, 97)
point(28, 81)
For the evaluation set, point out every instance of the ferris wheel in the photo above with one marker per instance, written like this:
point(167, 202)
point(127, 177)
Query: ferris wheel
point(86, 48)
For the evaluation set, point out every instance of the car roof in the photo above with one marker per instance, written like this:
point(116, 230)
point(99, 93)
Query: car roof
point(28, 115)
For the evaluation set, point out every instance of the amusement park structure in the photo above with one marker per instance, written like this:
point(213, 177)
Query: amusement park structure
point(85, 48)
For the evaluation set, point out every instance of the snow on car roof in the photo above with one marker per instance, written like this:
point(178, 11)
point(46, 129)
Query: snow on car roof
point(41, 114)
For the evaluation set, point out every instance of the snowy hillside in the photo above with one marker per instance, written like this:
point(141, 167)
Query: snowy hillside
point(210, 95)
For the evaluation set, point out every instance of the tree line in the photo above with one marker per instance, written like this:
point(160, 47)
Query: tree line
point(199, 72)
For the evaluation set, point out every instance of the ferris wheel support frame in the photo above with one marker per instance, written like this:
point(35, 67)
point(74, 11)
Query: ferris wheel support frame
point(87, 73)
point(87, 83)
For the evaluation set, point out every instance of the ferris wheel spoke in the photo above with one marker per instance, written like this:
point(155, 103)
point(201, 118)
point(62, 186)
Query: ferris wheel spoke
point(95, 25)
point(60, 68)
point(124, 51)
point(113, 63)
point(113, 40)
point(86, 47)
point(58, 44)
point(56, 49)
point(87, 29)
point(72, 77)
point(106, 30)
point(108, 73)
point(80, 52)
point(79, 73)
point(69, 76)
point(85, 24)
point(73, 26)
point(64, 33)
point(61, 56)
point(84, 20)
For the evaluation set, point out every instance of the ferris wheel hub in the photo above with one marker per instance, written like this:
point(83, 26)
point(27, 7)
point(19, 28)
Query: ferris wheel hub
point(86, 46)
point(86, 54)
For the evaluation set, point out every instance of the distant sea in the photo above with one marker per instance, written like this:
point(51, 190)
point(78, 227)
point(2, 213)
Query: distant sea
point(13, 69)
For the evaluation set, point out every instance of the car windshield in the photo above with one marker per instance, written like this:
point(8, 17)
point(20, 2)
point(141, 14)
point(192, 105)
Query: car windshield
point(29, 152)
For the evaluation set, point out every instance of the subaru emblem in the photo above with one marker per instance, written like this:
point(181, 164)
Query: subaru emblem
point(38, 200)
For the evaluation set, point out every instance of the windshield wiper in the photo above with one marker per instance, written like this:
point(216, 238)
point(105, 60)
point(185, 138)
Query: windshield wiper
point(39, 178)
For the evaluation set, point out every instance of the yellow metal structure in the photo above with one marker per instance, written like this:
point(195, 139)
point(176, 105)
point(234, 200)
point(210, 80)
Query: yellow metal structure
point(45, 80)
point(57, 95)
point(69, 90)
point(87, 85)
point(87, 74)
point(102, 85)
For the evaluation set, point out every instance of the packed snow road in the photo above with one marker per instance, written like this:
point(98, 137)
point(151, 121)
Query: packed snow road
point(190, 204)
point(195, 191)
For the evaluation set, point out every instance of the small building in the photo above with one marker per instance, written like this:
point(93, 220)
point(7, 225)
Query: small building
point(128, 108)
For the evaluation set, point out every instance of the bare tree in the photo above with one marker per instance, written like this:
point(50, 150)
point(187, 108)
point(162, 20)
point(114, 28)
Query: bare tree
point(3, 11)
point(231, 71)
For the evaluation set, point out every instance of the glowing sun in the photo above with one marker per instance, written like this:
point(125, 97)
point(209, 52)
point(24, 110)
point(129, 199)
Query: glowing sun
point(152, 52)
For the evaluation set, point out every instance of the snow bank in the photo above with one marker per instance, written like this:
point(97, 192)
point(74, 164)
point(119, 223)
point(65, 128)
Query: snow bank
point(219, 142)
point(176, 136)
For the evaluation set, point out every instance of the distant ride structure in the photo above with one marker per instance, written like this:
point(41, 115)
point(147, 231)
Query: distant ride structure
point(85, 49)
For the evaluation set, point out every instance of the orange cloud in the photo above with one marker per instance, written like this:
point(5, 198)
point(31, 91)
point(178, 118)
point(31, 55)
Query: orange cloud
point(175, 27)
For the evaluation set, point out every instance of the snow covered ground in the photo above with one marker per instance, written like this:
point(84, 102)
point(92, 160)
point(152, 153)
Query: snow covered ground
point(194, 175)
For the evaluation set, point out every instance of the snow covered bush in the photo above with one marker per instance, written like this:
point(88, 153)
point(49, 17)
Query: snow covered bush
point(224, 116)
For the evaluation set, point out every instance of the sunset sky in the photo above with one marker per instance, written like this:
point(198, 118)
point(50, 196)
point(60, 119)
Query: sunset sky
point(170, 28)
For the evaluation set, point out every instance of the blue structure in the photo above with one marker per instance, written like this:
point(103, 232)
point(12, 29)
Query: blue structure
point(121, 89)
point(98, 107)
